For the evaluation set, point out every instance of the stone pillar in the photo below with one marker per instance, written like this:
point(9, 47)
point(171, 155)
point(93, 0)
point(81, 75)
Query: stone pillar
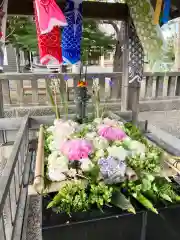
point(102, 61)
point(177, 48)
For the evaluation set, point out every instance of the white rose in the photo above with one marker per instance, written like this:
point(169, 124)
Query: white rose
point(57, 162)
point(86, 164)
point(100, 143)
point(51, 129)
point(52, 146)
point(71, 172)
point(117, 152)
point(137, 147)
point(99, 153)
point(91, 135)
point(55, 175)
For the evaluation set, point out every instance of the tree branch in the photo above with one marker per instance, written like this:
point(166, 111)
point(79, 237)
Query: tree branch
point(10, 33)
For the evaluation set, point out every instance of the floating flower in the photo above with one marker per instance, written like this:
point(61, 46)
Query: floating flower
point(86, 164)
point(137, 147)
point(100, 143)
point(77, 149)
point(99, 153)
point(91, 135)
point(112, 170)
point(98, 121)
point(56, 161)
point(63, 130)
point(57, 165)
point(117, 152)
point(111, 133)
point(110, 122)
point(55, 176)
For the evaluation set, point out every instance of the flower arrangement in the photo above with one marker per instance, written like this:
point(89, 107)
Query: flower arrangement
point(104, 163)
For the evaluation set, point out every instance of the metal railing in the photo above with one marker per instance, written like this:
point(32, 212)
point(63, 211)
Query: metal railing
point(13, 194)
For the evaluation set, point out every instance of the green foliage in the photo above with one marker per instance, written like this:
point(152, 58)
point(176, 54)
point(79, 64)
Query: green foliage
point(95, 41)
point(120, 201)
point(47, 139)
point(75, 196)
point(134, 133)
point(151, 164)
point(165, 190)
point(21, 32)
point(145, 202)
point(100, 194)
point(71, 198)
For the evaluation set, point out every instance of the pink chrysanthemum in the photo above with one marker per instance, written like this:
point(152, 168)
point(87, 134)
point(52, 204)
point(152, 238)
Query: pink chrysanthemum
point(77, 149)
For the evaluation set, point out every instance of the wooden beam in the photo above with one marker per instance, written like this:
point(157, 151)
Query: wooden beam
point(95, 10)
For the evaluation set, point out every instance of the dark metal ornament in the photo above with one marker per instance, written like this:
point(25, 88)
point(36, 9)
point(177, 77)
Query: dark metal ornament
point(136, 55)
point(81, 98)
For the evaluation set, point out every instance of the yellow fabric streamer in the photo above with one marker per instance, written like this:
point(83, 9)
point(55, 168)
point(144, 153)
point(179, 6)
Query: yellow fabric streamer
point(157, 11)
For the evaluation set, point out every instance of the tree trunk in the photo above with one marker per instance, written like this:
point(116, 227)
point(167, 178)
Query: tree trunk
point(18, 60)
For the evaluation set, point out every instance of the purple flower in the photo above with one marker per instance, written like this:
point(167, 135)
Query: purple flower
point(112, 170)
point(52, 76)
point(110, 81)
point(66, 77)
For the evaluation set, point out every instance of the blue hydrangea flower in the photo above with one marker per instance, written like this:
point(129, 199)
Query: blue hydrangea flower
point(112, 170)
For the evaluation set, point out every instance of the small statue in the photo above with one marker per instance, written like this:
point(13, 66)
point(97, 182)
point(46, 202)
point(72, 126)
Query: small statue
point(81, 98)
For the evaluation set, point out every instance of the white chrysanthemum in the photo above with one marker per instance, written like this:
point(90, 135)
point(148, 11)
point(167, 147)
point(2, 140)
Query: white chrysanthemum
point(117, 152)
point(99, 153)
point(86, 164)
point(100, 143)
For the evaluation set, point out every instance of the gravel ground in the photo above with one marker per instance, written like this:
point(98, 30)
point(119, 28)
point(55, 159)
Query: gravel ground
point(168, 121)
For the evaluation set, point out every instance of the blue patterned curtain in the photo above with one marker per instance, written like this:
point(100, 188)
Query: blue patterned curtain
point(72, 34)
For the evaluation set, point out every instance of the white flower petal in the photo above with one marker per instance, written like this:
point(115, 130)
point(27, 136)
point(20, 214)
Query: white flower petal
point(117, 152)
point(86, 164)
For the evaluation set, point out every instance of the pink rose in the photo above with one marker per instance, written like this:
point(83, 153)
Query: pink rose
point(77, 149)
point(111, 133)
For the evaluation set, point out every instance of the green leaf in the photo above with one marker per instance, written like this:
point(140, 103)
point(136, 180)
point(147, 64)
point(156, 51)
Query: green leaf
point(166, 197)
point(119, 200)
point(145, 202)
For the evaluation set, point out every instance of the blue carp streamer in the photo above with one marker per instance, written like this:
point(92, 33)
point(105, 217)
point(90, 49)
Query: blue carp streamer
point(72, 33)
